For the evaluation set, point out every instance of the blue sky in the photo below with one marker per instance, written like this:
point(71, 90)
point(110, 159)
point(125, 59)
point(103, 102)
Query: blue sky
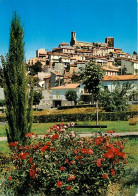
point(48, 23)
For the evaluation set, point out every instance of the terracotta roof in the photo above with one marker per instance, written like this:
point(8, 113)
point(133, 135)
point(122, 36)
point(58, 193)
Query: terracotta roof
point(58, 54)
point(110, 69)
point(122, 77)
point(72, 65)
point(63, 43)
point(67, 86)
point(46, 77)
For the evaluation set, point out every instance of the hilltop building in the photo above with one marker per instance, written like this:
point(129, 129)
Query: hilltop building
point(109, 42)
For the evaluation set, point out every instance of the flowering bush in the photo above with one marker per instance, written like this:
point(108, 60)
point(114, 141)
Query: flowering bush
point(64, 164)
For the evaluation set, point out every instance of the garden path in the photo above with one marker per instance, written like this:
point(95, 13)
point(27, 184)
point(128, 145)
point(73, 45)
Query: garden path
point(91, 134)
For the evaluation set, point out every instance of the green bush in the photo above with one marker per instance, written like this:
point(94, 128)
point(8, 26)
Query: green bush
point(74, 106)
point(63, 164)
point(103, 116)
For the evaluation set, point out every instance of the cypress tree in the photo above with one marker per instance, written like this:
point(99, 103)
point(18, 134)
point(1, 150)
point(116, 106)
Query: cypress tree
point(18, 96)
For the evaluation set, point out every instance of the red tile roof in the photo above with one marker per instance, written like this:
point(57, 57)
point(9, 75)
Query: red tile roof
point(121, 77)
point(63, 43)
point(110, 69)
point(67, 86)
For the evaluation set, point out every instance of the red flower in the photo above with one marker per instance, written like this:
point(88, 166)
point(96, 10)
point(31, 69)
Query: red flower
point(52, 149)
point(43, 148)
point(62, 168)
point(22, 155)
point(98, 140)
point(71, 177)
point(122, 154)
point(98, 163)
point(56, 136)
point(32, 173)
point(110, 131)
point(75, 151)
point(31, 160)
point(90, 151)
point(117, 160)
point(72, 162)
point(74, 170)
point(112, 172)
point(28, 135)
point(125, 162)
point(68, 188)
point(10, 178)
point(79, 157)
point(59, 183)
point(104, 176)
point(48, 143)
point(61, 124)
point(66, 160)
point(14, 144)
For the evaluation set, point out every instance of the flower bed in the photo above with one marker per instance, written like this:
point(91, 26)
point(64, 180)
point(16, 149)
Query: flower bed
point(63, 164)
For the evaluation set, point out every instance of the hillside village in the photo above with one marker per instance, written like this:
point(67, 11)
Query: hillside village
point(61, 66)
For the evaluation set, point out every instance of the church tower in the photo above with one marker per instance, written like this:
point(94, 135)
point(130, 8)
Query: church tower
point(73, 38)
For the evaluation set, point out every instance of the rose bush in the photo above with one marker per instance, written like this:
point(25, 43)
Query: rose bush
point(62, 163)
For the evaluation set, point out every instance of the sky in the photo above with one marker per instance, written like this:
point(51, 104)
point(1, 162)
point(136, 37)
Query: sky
point(48, 23)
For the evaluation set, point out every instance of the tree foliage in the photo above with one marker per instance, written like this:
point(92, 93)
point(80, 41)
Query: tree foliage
point(37, 67)
point(91, 77)
point(18, 97)
point(134, 53)
point(71, 95)
point(1, 76)
point(37, 97)
point(116, 100)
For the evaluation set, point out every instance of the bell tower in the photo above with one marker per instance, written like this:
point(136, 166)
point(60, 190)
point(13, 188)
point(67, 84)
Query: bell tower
point(73, 38)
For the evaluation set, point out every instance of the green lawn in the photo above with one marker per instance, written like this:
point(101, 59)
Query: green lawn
point(117, 126)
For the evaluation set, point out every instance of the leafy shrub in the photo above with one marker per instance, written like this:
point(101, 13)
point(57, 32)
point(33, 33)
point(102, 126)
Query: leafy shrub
point(74, 106)
point(103, 116)
point(63, 164)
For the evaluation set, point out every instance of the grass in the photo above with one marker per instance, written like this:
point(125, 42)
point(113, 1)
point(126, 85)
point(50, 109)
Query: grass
point(117, 126)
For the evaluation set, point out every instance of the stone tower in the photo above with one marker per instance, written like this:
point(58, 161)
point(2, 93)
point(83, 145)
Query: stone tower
point(109, 41)
point(73, 38)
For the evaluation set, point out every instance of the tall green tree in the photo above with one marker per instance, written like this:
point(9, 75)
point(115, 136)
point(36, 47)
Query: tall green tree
point(71, 95)
point(91, 77)
point(1, 76)
point(18, 97)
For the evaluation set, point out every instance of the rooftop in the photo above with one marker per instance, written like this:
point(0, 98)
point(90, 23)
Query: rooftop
point(67, 86)
point(120, 78)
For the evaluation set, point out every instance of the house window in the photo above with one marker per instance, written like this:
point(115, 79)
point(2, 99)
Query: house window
point(57, 95)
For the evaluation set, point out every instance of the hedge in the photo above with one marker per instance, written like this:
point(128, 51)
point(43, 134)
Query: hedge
point(103, 116)
point(106, 116)
point(74, 106)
